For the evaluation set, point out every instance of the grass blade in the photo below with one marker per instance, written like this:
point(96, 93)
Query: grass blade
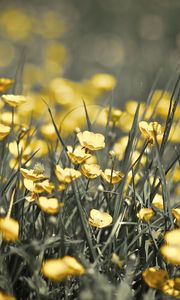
point(87, 116)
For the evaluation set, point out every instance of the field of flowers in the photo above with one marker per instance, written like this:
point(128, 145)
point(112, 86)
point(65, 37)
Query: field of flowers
point(89, 191)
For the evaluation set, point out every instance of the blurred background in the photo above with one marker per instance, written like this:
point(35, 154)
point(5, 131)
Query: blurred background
point(130, 39)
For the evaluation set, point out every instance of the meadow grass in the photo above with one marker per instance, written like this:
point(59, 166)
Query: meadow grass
point(103, 215)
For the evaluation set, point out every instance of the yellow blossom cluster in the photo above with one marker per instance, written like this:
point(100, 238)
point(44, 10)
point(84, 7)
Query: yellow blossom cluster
point(58, 269)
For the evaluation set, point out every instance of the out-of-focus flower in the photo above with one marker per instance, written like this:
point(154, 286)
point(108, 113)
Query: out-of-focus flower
point(112, 176)
point(66, 175)
point(20, 149)
point(99, 219)
point(49, 205)
point(62, 187)
point(174, 135)
point(161, 99)
point(51, 25)
point(114, 115)
point(14, 100)
point(6, 118)
point(171, 287)
point(33, 174)
point(158, 201)
point(77, 155)
point(4, 296)
point(145, 214)
point(91, 171)
point(91, 141)
point(4, 131)
point(103, 82)
point(131, 107)
point(159, 279)
point(120, 147)
point(116, 260)
point(40, 145)
point(58, 269)
point(125, 122)
point(171, 249)
point(20, 26)
point(9, 229)
point(48, 131)
point(176, 175)
point(176, 214)
point(136, 155)
point(151, 130)
point(55, 56)
point(5, 84)
point(155, 278)
point(6, 47)
point(65, 92)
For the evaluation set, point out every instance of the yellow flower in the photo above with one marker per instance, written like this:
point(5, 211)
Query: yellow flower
point(135, 156)
point(91, 141)
point(116, 260)
point(62, 187)
point(9, 228)
point(49, 205)
point(145, 214)
point(38, 187)
point(14, 100)
point(40, 145)
point(46, 185)
point(131, 107)
point(176, 214)
point(78, 155)
point(32, 197)
point(4, 296)
point(48, 131)
point(91, 160)
point(99, 219)
point(32, 174)
point(125, 122)
point(159, 279)
point(120, 147)
point(112, 176)
point(74, 266)
point(103, 82)
point(20, 149)
point(91, 170)
point(162, 100)
point(66, 175)
point(171, 249)
point(5, 83)
point(4, 131)
point(58, 269)
point(176, 175)
point(173, 237)
point(174, 135)
point(154, 277)
point(171, 287)
point(6, 118)
point(115, 115)
point(149, 130)
point(158, 201)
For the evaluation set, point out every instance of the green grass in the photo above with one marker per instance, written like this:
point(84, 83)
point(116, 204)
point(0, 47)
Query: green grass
point(45, 236)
